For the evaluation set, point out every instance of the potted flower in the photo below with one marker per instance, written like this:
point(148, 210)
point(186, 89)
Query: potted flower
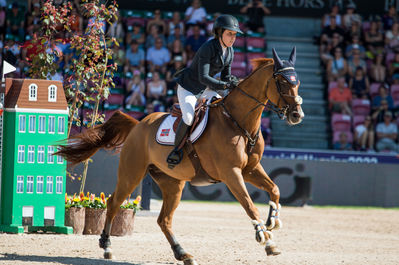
point(95, 214)
point(75, 213)
point(124, 220)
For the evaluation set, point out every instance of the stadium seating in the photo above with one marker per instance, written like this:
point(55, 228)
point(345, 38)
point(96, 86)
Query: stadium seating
point(337, 133)
point(341, 122)
point(361, 106)
point(357, 119)
point(395, 94)
point(374, 89)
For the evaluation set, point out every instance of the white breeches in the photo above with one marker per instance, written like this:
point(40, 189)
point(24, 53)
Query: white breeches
point(187, 101)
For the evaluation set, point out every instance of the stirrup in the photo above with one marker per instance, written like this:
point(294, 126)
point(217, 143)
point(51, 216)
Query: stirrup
point(174, 158)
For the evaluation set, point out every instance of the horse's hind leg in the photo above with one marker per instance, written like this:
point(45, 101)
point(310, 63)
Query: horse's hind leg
point(171, 193)
point(129, 176)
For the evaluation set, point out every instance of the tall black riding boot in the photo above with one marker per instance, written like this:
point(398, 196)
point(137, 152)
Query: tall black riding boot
point(176, 155)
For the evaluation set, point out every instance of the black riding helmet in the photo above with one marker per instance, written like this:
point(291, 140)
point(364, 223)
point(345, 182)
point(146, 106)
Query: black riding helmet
point(226, 22)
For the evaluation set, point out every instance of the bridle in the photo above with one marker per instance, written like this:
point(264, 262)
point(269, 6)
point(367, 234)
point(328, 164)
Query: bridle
point(281, 112)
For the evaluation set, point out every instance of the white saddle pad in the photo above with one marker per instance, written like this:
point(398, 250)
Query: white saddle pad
point(166, 135)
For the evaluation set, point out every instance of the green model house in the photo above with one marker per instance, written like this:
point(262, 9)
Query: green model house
point(33, 180)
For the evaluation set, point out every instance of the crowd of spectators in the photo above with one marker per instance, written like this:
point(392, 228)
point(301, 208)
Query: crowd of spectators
point(361, 60)
point(153, 46)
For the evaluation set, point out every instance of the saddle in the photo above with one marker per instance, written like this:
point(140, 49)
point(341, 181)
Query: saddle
point(201, 176)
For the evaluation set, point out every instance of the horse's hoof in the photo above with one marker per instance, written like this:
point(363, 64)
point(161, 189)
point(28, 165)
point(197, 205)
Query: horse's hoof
point(272, 250)
point(190, 261)
point(107, 253)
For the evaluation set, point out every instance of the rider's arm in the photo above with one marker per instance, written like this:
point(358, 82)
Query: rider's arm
point(203, 71)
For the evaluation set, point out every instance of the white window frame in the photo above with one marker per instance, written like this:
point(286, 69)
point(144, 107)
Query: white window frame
point(29, 184)
point(59, 185)
point(32, 117)
point(41, 128)
point(50, 152)
point(60, 160)
point(21, 153)
point(52, 93)
point(61, 125)
point(30, 151)
point(32, 92)
point(20, 184)
point(40, 154)
point(22, 128)
point(51, 124)
point(39, 184)
point(49, 184)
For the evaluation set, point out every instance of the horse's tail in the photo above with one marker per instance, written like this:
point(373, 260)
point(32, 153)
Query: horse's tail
point(109, 135)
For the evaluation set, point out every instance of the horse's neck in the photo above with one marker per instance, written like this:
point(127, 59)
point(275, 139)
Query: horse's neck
point(242, 107)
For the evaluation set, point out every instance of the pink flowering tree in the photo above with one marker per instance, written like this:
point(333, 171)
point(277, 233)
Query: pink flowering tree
point(90, 75)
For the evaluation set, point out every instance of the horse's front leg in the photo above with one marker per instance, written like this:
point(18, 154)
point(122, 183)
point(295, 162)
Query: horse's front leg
point(259, 178)
point(171, 194)
point(235, 182)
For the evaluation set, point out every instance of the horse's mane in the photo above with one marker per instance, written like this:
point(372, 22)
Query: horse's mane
point(258, 62)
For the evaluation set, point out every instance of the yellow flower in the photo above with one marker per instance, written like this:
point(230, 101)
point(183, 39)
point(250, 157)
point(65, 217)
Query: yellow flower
point(138, 198)
point(76, 200)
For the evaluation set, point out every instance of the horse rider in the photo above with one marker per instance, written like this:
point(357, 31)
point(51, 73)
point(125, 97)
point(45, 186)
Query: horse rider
point(214, 56)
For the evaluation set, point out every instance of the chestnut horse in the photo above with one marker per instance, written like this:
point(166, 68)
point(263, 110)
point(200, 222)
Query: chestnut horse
point(224, 151)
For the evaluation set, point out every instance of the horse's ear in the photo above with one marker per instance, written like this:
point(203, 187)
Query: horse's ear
point(277, 61)
point(293, 56)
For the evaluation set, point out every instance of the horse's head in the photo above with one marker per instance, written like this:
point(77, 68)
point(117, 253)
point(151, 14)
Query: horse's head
point(284, 97)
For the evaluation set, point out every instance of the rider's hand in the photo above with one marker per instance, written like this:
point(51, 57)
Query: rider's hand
point(232, 83)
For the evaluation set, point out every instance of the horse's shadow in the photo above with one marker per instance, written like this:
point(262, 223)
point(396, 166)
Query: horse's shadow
point(65, 260)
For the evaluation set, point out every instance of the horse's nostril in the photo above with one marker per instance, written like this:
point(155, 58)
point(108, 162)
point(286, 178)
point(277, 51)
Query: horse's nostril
point(296, 115)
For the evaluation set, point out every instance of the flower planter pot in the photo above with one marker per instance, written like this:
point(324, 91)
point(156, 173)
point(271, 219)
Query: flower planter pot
point(94, 221)
point(75, 218)
point(123, 222)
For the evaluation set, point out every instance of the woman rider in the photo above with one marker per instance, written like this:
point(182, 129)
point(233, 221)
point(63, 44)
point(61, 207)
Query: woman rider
point(214, 56)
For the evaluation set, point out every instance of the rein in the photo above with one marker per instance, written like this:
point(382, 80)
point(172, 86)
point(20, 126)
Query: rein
point(281, 112)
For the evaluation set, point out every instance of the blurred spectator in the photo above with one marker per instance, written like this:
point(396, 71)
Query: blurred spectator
point(354, 30)
point(326, 49)
point(340, 98)
point(177, 51)
point(337, 67)
point(328, 31)
point(343, 143)
point(378, 69)
point(136, 34)
point(15, 21)
point(116, 29)
point(390, 18)
point(355, 45)
point(374, 39)
point(77, 21)
point(255, 11)
point(149, 108)
point(378, 114)
point(136, 91)
point(177, 65)
point(177, 35)
point(364, 135)
point(392, 38)
point(387, 132)
point(355, 62)
point(175, 22)
point(393, 68)
point(382, 95)
point(154, 34)
point(158, 22)
point(359, 84)
point(119, 57)
point(195, 14)
point(135, 57)
point(158, 57)
point(194, 42)
point(350, 16)
point(334, 13)
point(2, 21)
point(156, 89)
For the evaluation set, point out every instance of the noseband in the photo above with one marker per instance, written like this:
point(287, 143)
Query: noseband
point(282, 112)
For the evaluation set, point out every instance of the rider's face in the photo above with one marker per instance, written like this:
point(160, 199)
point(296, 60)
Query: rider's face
point(229, 37)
